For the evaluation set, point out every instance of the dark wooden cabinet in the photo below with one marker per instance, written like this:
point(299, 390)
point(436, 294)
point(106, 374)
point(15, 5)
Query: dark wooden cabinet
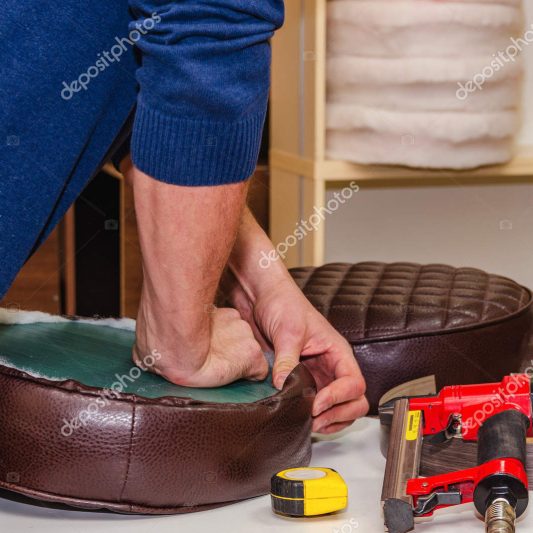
point(91, 264)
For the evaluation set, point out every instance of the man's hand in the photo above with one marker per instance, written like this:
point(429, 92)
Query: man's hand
point(283, 319)
point(233, 354)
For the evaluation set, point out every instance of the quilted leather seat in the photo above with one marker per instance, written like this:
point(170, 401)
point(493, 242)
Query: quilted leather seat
point(406, 320)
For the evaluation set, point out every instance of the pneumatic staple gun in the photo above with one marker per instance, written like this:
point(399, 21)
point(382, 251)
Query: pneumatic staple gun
point(496, 415)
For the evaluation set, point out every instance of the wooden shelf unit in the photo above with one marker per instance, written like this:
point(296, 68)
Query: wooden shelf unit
point(335, 171)
point(299, 170)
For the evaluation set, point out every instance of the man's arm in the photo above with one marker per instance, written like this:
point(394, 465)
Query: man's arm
point(186, 235)
point(204, 84)
point(283, 319)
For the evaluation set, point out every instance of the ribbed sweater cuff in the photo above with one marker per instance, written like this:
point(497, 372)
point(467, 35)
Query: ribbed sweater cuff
point(195, 152)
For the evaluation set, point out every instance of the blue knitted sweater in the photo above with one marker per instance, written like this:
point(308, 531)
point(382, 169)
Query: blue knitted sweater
point(71, 72)
point(204, 86)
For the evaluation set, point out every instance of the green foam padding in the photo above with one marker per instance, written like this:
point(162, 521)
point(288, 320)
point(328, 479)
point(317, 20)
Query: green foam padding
point(94, 355)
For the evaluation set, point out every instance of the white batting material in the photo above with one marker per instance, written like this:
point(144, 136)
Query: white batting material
point(394, 14)
point(14, 316)
point(348, 69)
point(31, 372)
point(452, 127)
point(393, 74)
point(368, 147)
point(499, 2)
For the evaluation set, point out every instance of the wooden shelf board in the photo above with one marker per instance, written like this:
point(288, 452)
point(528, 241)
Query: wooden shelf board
point(520, 167)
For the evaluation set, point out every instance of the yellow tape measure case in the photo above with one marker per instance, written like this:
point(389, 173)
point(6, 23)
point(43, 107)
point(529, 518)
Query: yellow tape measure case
point(308, 492)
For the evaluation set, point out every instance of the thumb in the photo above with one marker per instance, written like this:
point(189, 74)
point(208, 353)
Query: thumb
point(287, 350)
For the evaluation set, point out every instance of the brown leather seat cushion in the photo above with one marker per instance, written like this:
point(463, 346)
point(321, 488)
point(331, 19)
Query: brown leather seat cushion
point(80, 425)
point(407, 321)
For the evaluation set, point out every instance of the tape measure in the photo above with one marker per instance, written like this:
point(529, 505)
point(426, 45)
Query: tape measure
point(308, 492)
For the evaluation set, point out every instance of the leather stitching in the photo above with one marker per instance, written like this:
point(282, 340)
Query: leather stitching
point(421, 306)
point(130, 450)
point(519, 301)
point(411, 293)
point(351, 294)
point(339, 287)
point(447, 302)
point(375, 288)
point(307, 278)
point(485, 295)
point(421, 333)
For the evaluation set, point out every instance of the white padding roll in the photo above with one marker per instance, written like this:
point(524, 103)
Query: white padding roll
point(370, 147)
point(420, 29)
point(425, 83)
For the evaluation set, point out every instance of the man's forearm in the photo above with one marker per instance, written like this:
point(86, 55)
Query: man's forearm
point(186, 236)
point(251, 246)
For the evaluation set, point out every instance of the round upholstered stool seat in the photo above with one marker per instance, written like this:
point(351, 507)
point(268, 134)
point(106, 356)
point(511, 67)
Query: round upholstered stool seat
point(81, 425)
point(406, 321)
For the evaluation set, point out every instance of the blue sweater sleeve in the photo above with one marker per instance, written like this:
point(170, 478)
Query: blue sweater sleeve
point(204, 84)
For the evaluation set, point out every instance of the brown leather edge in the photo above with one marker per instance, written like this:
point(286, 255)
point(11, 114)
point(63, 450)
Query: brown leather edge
point(74, 386)
point(290, 407)
point(490, 363)
point(95, 505)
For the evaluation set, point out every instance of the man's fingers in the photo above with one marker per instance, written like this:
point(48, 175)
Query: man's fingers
point(347, 365)
point(341, 390)
point(287, 350)
point(344, 414)
point(259, 337)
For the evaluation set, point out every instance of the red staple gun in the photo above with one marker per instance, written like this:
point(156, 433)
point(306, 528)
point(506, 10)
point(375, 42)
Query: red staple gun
point(497, 416)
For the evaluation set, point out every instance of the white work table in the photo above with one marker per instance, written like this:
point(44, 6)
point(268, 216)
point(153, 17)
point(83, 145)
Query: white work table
point(354, 454)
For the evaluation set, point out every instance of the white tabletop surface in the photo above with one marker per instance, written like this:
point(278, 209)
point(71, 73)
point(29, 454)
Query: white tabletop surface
point(354, 454)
